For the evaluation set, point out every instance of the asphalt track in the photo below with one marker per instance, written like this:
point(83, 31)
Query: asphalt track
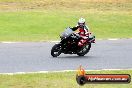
point(35, 56)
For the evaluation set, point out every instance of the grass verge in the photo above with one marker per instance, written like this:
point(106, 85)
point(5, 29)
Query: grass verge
point(42, 20)
point(57, 79)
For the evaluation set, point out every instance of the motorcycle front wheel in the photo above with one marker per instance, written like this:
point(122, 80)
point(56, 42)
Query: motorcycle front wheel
point(56, 50)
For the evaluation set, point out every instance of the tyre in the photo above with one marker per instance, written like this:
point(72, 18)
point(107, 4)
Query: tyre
point(81, 80)
point(85, 49)
point(56, 50)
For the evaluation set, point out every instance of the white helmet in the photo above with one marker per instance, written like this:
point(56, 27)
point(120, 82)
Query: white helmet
point(81, 22)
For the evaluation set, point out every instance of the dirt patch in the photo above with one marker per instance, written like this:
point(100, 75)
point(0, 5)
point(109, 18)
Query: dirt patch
point(66, 4)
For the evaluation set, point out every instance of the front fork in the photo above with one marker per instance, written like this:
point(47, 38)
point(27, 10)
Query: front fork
point(91, 40)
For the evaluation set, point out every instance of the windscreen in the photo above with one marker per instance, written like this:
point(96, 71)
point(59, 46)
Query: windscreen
point(68, 31)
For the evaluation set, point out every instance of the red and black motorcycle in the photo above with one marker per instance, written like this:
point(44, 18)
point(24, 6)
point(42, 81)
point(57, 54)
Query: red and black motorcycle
point(69, 44)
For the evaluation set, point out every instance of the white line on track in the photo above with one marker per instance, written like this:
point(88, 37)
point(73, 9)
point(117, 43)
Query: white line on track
point(113, 39)
point(9, 42)
point(58, 71)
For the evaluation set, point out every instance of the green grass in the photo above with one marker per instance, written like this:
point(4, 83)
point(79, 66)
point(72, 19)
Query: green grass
point(44, 20)
point(59, 80)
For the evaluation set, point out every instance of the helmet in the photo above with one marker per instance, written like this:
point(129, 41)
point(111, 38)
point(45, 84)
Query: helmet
point(81, 22)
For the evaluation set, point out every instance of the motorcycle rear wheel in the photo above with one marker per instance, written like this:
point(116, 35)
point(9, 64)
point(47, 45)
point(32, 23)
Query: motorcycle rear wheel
point(84, 50)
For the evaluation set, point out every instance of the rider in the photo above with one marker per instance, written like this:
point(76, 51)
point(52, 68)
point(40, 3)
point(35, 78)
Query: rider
point(83, 31)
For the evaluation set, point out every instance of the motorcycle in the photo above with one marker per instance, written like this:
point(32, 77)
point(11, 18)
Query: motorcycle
point(69, 44)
